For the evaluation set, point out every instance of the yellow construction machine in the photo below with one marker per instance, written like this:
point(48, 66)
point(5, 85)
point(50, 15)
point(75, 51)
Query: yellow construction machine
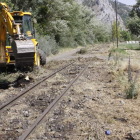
point(17, 44)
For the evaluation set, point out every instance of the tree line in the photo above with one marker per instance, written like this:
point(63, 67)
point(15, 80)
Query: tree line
point(63, 23)
point(66, 23)
point(134, 20)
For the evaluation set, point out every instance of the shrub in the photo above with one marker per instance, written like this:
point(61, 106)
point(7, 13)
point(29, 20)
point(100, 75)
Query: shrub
point(82, 51)
point(117, 54)
point(131, 90)
point(125, 35)
point(47, 44)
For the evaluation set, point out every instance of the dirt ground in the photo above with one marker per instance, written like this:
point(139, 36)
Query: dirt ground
point(96, 103)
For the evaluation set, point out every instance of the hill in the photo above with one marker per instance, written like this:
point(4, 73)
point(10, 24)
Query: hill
point(123, 10)
point(103, 11)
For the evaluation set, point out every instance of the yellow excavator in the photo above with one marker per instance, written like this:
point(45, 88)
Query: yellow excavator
point(17, 43)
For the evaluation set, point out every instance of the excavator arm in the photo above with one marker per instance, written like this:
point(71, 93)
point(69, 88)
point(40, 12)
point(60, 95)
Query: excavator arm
point(6, 19)
point(6, 24)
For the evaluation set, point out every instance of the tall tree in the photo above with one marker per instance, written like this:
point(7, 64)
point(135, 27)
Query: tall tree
point(134, 25)
point(135, 9)
point(134, 20)
point(114, 32)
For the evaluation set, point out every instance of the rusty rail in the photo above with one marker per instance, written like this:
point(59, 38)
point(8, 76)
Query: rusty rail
point(47, 110)
point(5, 105)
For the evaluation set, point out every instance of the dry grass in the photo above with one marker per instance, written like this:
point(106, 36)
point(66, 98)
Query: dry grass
point(120, 67)
point(135, 65)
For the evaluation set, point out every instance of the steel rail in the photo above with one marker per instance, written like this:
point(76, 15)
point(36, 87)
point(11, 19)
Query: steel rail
point(5, 105)
point(48, 109)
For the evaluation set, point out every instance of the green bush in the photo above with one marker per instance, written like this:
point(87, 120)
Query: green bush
point(82, 51)
point(47, 44)
point(125, 35)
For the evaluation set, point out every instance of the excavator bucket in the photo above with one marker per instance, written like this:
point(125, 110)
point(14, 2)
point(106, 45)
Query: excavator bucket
point(24, 52)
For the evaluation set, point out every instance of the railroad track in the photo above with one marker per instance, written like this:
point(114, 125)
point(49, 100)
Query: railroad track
point(9, 103)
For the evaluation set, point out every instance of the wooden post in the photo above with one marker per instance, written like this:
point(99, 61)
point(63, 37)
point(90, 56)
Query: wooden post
point(116, 21)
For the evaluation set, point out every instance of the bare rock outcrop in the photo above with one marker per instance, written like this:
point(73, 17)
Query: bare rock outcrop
point(103, 11)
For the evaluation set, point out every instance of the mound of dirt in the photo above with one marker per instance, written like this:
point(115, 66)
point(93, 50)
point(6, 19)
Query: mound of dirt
point(22, 80)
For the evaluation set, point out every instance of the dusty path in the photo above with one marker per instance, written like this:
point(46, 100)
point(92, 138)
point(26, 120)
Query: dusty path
point(64, 56)
point(72, 54)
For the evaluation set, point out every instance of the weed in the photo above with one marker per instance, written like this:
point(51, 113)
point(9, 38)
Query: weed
point(131, 90)
point(129, 72)
point(117, 54)
point(82, 51)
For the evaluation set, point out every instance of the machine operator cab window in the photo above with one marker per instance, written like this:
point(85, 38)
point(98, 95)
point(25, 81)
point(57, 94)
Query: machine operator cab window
point(27, 26)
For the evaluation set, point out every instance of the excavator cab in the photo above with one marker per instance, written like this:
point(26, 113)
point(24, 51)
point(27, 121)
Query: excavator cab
point(23, 20)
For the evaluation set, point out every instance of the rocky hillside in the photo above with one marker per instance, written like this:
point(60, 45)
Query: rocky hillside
point(123, 10)
point(103, 10)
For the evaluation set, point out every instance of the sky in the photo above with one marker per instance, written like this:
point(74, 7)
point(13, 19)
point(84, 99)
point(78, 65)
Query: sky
point(128, 2)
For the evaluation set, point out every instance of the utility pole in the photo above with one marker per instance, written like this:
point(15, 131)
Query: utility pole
point(116, 21)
